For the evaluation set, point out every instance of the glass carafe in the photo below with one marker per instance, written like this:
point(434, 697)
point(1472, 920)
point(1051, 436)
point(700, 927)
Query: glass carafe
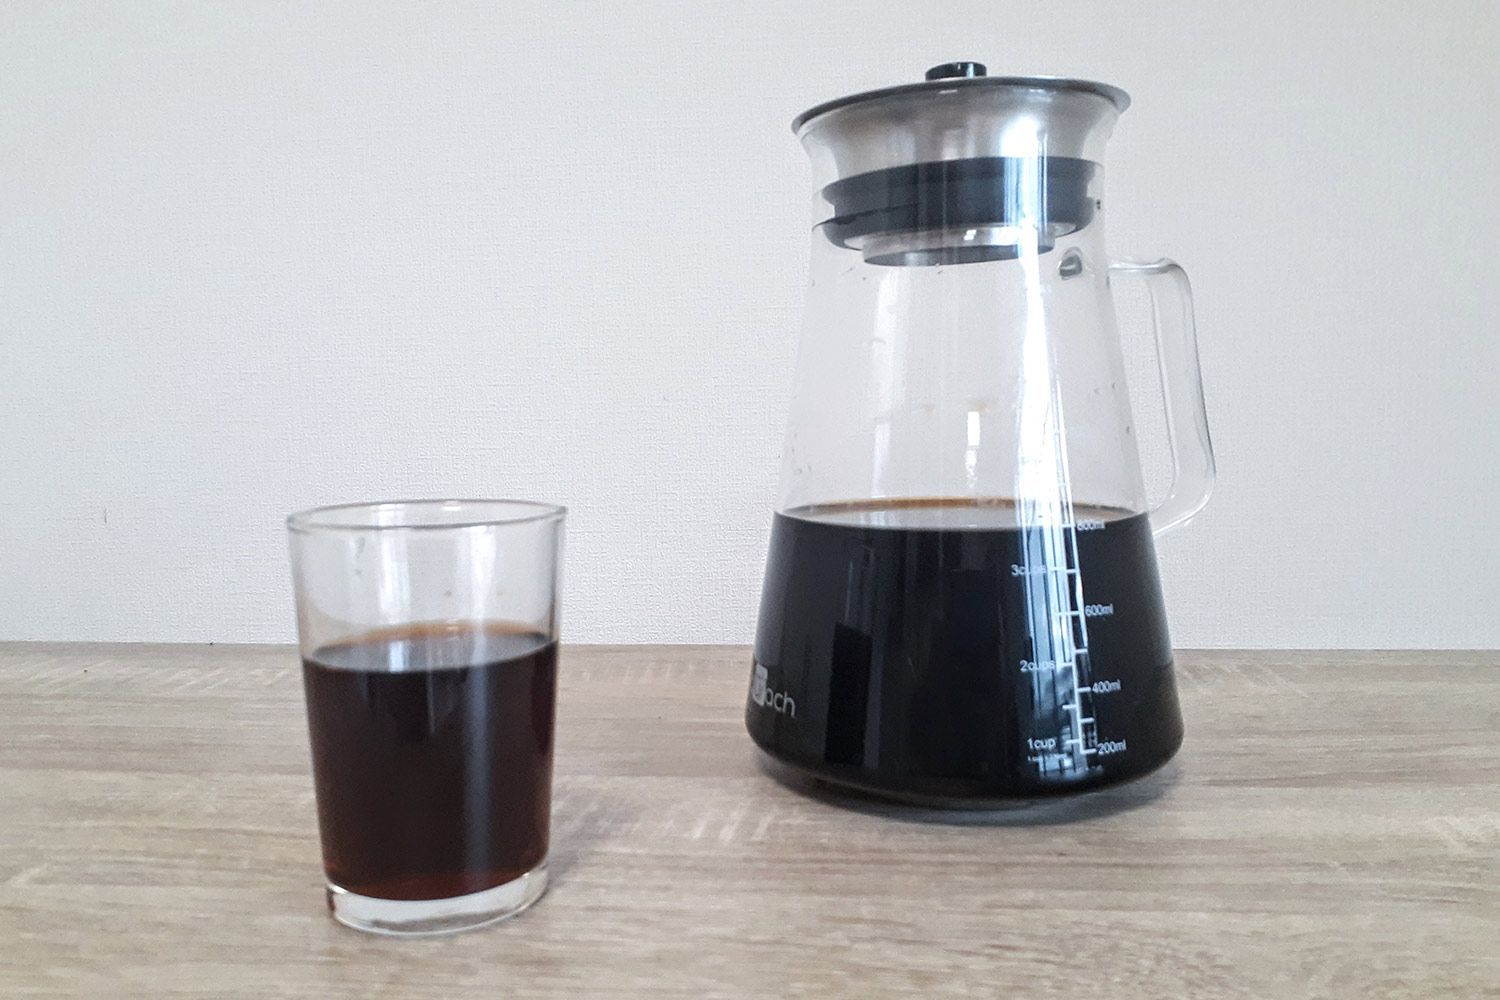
point(961, 600)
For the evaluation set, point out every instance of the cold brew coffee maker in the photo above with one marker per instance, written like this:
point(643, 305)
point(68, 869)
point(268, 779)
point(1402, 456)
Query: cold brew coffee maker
point(961, 602)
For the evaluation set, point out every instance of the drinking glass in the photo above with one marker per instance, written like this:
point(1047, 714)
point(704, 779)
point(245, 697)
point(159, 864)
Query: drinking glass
point(428, 631)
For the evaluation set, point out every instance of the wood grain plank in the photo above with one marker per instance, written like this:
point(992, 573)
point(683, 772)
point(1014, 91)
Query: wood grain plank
point(1331, 829)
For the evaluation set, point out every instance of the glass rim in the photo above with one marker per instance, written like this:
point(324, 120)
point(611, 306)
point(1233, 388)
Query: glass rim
point(342, 516)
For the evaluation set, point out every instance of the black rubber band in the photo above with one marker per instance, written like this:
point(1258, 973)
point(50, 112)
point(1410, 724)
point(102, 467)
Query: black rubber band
point(1049, 192)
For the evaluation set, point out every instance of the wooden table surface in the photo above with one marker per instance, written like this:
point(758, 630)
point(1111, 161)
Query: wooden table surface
point(1331, 829)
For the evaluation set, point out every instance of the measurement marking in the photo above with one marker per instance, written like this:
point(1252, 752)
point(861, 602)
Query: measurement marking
point(1058, 616)
point(1031, 667)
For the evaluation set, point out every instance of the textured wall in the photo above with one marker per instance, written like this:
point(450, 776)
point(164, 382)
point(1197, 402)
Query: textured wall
point(255, 257)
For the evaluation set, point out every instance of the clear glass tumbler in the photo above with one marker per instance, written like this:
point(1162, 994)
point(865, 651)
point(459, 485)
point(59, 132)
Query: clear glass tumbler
point(428, 631)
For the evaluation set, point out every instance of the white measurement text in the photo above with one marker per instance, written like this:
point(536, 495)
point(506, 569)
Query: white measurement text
point(1042, 666)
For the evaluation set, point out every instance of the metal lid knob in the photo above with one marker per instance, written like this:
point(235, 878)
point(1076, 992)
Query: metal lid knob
point(953, 70)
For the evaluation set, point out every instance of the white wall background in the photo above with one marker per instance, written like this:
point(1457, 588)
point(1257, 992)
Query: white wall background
point(257, 256)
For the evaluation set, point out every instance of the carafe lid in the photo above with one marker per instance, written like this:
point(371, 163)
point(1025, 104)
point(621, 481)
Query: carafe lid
point(967, 74)
point(961, 167)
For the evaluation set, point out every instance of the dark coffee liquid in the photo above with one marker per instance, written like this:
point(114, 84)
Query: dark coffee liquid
point(432, 756)
point(935, 650)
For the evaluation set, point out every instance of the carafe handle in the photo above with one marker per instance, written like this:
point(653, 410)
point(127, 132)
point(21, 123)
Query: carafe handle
point(1181, 389)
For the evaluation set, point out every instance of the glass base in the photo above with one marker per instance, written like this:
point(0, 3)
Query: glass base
point(408, 917)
